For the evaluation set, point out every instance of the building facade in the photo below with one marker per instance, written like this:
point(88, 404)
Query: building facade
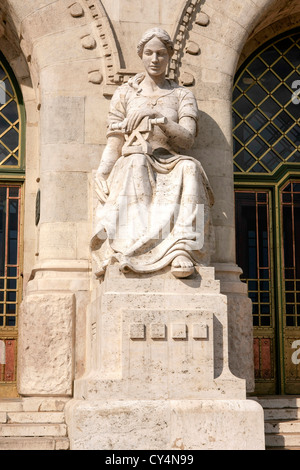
point(60, 63)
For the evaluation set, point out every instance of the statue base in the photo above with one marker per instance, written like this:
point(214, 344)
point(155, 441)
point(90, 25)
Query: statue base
point(166, 425)
point(158, 374)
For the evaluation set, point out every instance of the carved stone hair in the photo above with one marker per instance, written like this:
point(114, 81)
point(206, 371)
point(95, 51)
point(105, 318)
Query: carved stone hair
point(161, 34)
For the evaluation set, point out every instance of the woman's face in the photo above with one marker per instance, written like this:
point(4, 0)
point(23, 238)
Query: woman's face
point(155, 57)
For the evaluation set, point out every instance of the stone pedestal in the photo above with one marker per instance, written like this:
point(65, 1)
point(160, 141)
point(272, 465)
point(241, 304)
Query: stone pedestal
point(158, 375)
point(47, 329)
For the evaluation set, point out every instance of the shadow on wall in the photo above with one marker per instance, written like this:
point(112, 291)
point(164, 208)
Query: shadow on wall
point(212, 147)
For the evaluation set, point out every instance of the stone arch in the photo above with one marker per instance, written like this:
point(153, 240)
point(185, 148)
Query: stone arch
point(279, 20)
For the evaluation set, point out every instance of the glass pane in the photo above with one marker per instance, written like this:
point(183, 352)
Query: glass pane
point(284, 121)
point(256, 94)
point(296, 240)
point(287, 236)
point(244, 133)
point(282, 68)
point(294, 109)
point(3, 152)
point(243, 106)
point(257, 120)
point(283, 95)
point(270, 107)
point(13, 232)
point(256, 68)
point(245, 81)
point(11, 111)
point(258, 168)
point(295, 157)
point(14, 191)
point(294, 135)
point(286, 198)
point(11, 139)
point(283, 45)
point(263, 236)
point(269, 81)
point(236, 146)
point(270, 55)
point(270, 134)
point(10, 321)
point(11, 283)
point(11, 296)
point(284, 148)
point(2, 73)
point(258, 147)
point(11, 272)
point(293, 56)
point(12, 161)
point(2, 229)
point(245, 160)
point(235, 119)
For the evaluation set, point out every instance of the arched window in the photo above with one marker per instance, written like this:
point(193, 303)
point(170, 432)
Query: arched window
point(266, 137)
point(12, 174)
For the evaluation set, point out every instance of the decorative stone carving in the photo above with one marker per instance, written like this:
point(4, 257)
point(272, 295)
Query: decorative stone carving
point(187, 79)
point(180, 34)
point(192, 48)
point(96, 77)
point(76, 10)
point(202, 19)
point(88, 42)
point(107, 42)
point(154, 202)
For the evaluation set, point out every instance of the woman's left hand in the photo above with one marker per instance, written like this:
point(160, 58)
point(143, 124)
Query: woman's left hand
point(137, 116)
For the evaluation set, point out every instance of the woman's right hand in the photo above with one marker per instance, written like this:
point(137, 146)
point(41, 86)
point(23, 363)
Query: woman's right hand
point(135, 118)
point(101, 187)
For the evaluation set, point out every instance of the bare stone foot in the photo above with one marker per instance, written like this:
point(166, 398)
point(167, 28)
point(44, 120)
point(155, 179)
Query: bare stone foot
point(182, 266)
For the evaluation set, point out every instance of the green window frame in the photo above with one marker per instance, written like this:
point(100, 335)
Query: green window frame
point(266, 160)
point(12, 125)
point(266, 109)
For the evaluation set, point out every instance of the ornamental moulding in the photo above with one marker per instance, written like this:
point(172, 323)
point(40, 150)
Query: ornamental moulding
point(114, 74)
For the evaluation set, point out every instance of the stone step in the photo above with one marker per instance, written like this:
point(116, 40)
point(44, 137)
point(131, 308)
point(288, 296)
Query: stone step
point(282, 427)
point(285, 440)
point(36, 417)
point(277, 403)
point(34, 443)
point(283, 448)
point(10, 405)
point(33, 430)
point(281, 414)
point(33, 404)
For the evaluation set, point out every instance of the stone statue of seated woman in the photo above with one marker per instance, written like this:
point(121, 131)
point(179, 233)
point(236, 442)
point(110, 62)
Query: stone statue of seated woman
point(154, 201)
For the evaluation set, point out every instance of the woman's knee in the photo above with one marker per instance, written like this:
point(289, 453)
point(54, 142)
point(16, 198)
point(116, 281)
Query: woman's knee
point(189, 166)
point(137, 160)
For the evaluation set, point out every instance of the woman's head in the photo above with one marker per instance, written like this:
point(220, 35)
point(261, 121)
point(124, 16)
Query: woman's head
point(161, 34)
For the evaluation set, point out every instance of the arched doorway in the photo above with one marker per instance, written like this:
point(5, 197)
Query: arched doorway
point(266, 135)
point(11, 200)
